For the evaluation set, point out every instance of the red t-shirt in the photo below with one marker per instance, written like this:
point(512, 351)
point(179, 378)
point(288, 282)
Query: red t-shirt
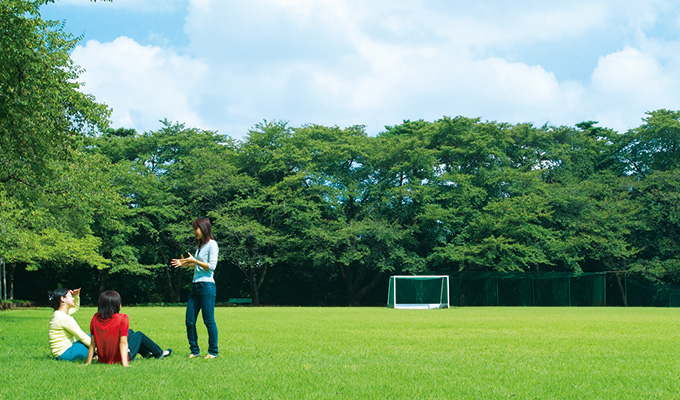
point(106, 334)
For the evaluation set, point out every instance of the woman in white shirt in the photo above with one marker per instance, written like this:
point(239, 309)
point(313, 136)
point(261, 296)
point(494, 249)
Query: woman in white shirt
point(203, 291)
point(67, 341)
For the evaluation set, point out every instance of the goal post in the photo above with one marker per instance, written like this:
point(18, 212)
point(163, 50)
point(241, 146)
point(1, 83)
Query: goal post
point(418, 292)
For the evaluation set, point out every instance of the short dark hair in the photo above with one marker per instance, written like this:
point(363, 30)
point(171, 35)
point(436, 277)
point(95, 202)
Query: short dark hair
point(54, 297)
point(109, 304)
point(206, 228)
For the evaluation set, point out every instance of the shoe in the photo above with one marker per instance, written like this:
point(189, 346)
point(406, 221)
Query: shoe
point(166, 353)
point(194, 355)
point(210, 356)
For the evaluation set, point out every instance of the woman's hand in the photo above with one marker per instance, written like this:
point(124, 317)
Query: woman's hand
point(183, 262)
point(191, 261)
point(177, 262)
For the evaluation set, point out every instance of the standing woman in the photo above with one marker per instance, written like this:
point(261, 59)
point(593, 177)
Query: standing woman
point(203, 290)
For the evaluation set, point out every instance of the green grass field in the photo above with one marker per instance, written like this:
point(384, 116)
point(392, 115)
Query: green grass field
point(366, 353)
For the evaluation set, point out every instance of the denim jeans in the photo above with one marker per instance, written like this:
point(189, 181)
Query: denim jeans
point(202, 298)
point(139, 343)
point(78, 351)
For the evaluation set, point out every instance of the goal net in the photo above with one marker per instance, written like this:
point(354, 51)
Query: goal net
point(418, 292)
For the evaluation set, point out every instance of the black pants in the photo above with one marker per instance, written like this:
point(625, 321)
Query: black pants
point(139, 343)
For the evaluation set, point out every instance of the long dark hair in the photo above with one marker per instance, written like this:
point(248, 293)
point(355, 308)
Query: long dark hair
point(206, 229)
point(55, 296)
point(109, 304)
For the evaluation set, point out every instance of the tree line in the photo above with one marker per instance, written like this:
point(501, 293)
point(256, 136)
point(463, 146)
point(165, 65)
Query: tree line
point(313, 214)
point(329, 212)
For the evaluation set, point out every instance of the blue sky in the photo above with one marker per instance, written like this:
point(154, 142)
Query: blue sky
point(227, 65)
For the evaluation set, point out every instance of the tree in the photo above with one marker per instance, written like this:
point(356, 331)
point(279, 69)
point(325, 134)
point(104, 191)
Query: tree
point(52, 223)
point(658, 237)
point(470, 173)
point(507, 235)
point(652, 153)
point(43, 116)
point(248, 243)
point(168, 177)
point(655, 145)
point(352, 234)
point(260, 224)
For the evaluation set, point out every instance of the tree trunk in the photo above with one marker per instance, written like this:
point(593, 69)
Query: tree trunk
point(172, 290)
point(346, 273)
point(370, 285)
point(103, 276)
point(254, 288)
point(4, 305)
point(263, 273)
point(355, 287)
point(254, 280)
point(10, 278)
point(622, 290)
point(172, 294)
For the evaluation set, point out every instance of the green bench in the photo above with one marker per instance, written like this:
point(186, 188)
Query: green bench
point(240, 300)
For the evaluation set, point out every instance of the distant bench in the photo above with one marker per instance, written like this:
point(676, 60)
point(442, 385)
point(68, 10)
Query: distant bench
point(240, 300)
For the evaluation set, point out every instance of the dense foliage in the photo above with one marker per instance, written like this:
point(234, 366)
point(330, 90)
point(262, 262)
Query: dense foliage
point(312, 214)
point(322, 215)
point(50, 194)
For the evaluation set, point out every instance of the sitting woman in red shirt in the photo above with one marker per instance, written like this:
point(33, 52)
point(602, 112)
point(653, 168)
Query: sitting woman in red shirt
point(112, 337)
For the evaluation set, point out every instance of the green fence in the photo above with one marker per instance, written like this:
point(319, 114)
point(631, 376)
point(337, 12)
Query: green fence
point(481, 288)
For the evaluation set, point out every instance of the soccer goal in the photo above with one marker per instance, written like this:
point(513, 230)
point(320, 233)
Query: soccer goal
point(418, 292)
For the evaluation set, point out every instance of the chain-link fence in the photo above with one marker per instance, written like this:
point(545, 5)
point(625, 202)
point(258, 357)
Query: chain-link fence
point(487, 288)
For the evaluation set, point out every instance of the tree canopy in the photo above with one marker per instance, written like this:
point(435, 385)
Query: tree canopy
point(49, 195)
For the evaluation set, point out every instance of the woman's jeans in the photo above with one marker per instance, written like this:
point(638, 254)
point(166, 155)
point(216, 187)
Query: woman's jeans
point(139, 343)
point(78, 351)
point(202, 298)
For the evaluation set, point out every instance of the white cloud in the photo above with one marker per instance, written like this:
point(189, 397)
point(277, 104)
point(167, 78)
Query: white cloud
point(628, 83)
point(142, 84)
point(389, 60)
point(631, 73)
point(138, 6)
point(345, 62)
point(514, 24)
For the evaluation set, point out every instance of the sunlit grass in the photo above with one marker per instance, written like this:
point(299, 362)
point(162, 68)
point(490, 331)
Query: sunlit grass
point(292, 353)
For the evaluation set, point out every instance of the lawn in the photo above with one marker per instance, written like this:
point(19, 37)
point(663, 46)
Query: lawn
point(366, 353)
